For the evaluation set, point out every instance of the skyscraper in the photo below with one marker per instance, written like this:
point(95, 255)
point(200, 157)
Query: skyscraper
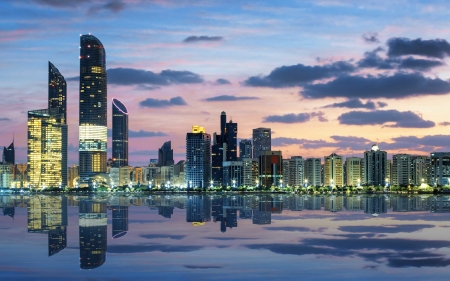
point(401, 170)
point(198, 158)
point(262, 141)
point(9, 154)
point(47, 149)
point(353, 168)
point(57, 91)
point(375, 166)
point(313, 172)
point(119, 134)
point(93, 108)
point(231, 141)
point(245, 149)
point(334, 170)
point(296, 171)
point(270, 168)
point(165, 154)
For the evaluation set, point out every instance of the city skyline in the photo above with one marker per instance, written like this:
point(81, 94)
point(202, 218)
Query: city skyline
point(258, 63)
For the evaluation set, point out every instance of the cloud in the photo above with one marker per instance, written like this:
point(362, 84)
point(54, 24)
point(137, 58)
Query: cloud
point(382, 104)
point(166, 236)
point(222, 81)
point(113, 6)
point(373, 60)
point(419, 64)
point(341, 142)
point(371, 37)
point(296, 75)
point(386, 228)
point(228, 238)
point(145, 134)
point(155, 103)
point(143, 152)
point(353, 103)
point(295, 228)
point(401, 119)
point(131, 76)
point(437, 48)
point(130, 249)
point(230, 98)
point(399, 85)
point(195, 39)
point(203, 266)
point(434, 141)
point(295, 118)
point(4, 119)
point(61, 3)
point(444, 123)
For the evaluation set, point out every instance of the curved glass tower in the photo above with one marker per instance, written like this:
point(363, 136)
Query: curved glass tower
point(119, 134)
point(57, 91)
point(93, 108)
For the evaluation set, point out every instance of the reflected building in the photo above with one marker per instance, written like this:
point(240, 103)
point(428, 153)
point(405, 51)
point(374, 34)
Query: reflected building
point(401, 204)
point(261, 218)
point(119, 221)
point(93, 109)
point(9, 211)
point(165, 211)
point(440, 204)
point(333, 203)
point(353, 203)
point(48, 215)
point(198, 209)
point(93, 225)
point(313, 203)
point(375, 205)
point(119, 134)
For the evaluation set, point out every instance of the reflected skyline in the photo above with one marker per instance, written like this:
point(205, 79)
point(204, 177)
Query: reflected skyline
point(220, 217)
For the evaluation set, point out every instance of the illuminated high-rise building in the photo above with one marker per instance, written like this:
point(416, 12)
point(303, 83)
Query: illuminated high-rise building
point(270, 168)
point(334, 170)
point(375, 166)
point(353, 171)
point(402, 170)
point(262, 141)
point(93, 108)
point(198, 158)
point(47, 149)
point(119, 134)
point(313, 172)
point(93, 224)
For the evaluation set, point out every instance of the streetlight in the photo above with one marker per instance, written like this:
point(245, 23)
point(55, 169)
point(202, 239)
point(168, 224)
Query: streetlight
point(281, 183)
point(306, 183)
point(190, 184)
point(234, 183)
point(60, 185)
point(168, 184)
point(256, 183)
point(211, 183)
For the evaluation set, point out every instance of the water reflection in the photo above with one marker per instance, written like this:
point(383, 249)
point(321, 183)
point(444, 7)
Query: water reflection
point(49, 215)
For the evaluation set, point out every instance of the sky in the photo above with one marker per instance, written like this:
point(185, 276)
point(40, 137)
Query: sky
point(326, 76)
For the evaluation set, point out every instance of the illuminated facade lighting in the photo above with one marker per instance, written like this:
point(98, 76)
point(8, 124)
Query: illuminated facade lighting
point(93, 108)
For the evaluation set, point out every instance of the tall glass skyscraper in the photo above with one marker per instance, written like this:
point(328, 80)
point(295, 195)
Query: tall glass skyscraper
point(165, 154)
point(57, 90)
point(198, 158)
point(47, 136)
point(93, 108)
point(262, 141)
point(119, 134)
point(9, 154)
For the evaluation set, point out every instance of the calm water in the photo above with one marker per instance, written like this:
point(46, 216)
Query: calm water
point(230, 237)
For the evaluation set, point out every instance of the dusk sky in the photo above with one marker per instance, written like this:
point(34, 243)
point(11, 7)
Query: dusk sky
point(326, 76)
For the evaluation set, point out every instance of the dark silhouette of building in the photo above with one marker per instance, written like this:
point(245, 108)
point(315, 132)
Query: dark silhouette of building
point(9, 211)
point(165, 154)
point(270, 168)
point(165, 211)
point(9, 156)
point(231, 141)
point(245, 149)
point(119, 221)
point(198, 209)
point(262, 141)
point(119, 134)
point(375, 166)
point(93, 234)
point(57, 91)
point(93, 108)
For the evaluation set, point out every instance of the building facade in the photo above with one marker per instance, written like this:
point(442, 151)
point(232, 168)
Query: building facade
point(296, 172)
point(401, 170)
point(119, 134)
point(165, 154)
point(245, 149)
point(198, 158)
point(375, 166)
point(353, 168)
point(251, 170)
point(93, 109)
point(262, 141)
point(313, 172)
point(270, 168)
point(334, 170)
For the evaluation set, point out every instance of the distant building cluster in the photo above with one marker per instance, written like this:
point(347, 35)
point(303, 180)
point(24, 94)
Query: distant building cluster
point(211, 161)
